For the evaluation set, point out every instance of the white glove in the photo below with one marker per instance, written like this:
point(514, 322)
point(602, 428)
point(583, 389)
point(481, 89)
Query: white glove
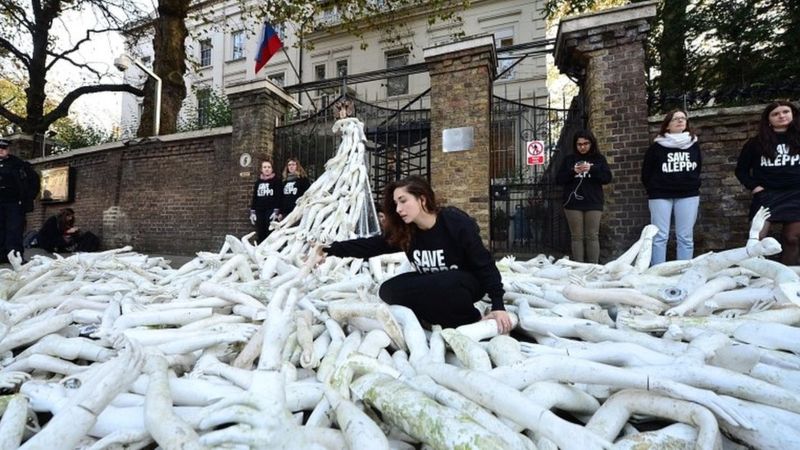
point(273, 216)
point(253, 217)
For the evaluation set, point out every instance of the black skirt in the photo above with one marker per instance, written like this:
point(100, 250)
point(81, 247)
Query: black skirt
point(784, 204)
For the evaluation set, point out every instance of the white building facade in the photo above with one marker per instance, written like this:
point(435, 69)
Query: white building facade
point(223, 44)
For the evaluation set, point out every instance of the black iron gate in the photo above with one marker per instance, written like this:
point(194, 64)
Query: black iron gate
point(398, 141)
point(527, 216)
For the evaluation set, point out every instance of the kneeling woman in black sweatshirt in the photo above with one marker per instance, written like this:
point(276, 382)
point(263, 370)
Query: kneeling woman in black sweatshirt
point(453, 269)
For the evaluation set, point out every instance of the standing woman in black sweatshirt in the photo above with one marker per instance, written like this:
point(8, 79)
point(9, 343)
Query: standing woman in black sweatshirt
point(453, 269)
point(769, 166)
point(295, 184)
point(266, 203)
point(583, 174)
point(671, 175)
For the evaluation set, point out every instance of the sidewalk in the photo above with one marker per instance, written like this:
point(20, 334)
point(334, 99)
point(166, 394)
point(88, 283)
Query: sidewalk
point(175, 261)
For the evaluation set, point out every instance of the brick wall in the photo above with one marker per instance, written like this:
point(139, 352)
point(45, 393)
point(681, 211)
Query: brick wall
point(461, 96)
point(158, 196)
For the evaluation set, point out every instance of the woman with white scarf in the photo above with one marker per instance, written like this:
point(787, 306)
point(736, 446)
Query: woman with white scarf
point(671, 175)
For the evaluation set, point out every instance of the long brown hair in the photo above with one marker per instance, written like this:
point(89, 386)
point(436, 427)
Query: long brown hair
point(397, 232)
point(668, 118)
point(65, 219)
point(767, 138)
point(301, 172)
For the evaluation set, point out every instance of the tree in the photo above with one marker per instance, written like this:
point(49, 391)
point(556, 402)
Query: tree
point(30, 49)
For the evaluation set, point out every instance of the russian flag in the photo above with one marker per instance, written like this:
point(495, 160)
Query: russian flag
point(270, 44)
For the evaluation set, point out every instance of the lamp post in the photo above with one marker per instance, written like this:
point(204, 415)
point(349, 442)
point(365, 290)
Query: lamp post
point(45, 135)
point(122, 64)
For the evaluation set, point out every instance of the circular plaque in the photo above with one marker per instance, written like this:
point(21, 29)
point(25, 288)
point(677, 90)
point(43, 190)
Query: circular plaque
point(245, 160)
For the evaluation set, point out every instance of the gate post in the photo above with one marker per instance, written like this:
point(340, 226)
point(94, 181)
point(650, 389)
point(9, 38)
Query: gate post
point(256, 107)
point(605, 52)
point(462, 76)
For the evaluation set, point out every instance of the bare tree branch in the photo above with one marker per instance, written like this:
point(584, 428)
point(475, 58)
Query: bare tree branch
point(10, 116)
point(62, 110)
point(11, 48)
point(75, 48)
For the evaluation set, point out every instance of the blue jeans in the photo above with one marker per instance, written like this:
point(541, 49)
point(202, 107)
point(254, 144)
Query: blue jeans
point(661, 210)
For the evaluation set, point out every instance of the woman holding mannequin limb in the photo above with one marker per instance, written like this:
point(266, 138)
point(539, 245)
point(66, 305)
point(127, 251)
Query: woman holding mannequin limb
point(453, 269)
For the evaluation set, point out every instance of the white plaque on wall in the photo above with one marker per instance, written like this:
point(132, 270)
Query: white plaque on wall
point(457, 139)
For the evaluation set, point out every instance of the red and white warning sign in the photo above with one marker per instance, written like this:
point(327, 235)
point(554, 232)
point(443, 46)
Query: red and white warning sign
point(535, 153)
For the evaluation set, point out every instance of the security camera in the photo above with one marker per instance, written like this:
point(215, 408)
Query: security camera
point(122, 63)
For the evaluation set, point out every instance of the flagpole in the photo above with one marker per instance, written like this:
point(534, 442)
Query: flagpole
point(300, 80)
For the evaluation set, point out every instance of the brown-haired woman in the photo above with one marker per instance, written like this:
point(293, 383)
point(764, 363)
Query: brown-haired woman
point(59, 233)
point(671, 175)
point(453, 269)
point(295, 184)
point(769, 166)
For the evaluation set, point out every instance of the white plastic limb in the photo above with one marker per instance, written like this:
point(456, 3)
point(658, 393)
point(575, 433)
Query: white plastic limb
point(485, 329)
point(743, 298)
point(166, 428)
point(698, 296)
point(756, 225)
point(124, 438)
point(32, 285)
point(550, 395)
point(599, 333)
point(69, 348)
point(773, 428)
point(609, 420)
point(373, 343)
point(12, 423)
point(625, 261)
point(71, 424)
point(505, 400)
point(787, 282)
point(171, 317)
point(360, 432)
point(228, 293)
point(25, 332)
point(544, 322)
point(504, 350)
point(644, 256)
point(420, 416)
point(266, 439)
point(774, 336)
point(277, 327)
point(469, 352)
point(413, 334)
point(445, 396)
point(45, 363)
point(199, 342)
point(344, 310)
point(620, 296)
point(574, 370)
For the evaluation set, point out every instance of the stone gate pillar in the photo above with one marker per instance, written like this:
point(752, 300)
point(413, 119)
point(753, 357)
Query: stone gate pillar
point(462, 76)
point(256, 107)
point(605, 52)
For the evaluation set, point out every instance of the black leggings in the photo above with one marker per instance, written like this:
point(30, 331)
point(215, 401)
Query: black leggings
point(443, 298)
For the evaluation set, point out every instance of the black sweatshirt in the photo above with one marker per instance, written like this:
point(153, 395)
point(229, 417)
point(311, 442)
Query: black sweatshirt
point(453, 243)
point(672, 172)
point(293, 188)
point(51, 237)
point(267, 194)
point(590, 190)
point(782, 172)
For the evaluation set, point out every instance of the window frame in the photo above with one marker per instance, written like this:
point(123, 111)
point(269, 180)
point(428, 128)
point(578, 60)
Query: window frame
point(206, 47)
point(404, 79)
point(238, 35)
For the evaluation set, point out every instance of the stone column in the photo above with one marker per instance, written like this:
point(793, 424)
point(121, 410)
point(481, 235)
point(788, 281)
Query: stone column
point(605, 52)
point(256, 108)
point(462, 75)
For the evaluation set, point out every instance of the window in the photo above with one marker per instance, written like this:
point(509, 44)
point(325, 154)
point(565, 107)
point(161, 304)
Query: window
point(278, 79)
point(237, 39)
point(319, 74)
point(205, 52)
point(397, 85)
point(341, 68)
point(203, 106)
point(504, 38)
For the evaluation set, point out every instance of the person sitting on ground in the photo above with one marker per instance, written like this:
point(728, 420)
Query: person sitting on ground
point(59, 234)
point(453, 269)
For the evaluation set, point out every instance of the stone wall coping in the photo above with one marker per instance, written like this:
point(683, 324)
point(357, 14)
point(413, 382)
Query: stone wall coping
point(210, 132)
point(469, 43)
point(716, 112)
point(604, 18)
point(255, 85)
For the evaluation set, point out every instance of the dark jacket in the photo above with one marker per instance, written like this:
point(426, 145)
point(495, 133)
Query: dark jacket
point(584, 193)
point(18, 182)
point(267, 194)
point(51, 236)
point(779, 173)
point(454, 243)
point(293, 188)
point(672, 172)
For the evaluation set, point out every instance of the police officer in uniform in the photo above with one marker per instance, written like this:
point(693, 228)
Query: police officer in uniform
point(19, 185)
